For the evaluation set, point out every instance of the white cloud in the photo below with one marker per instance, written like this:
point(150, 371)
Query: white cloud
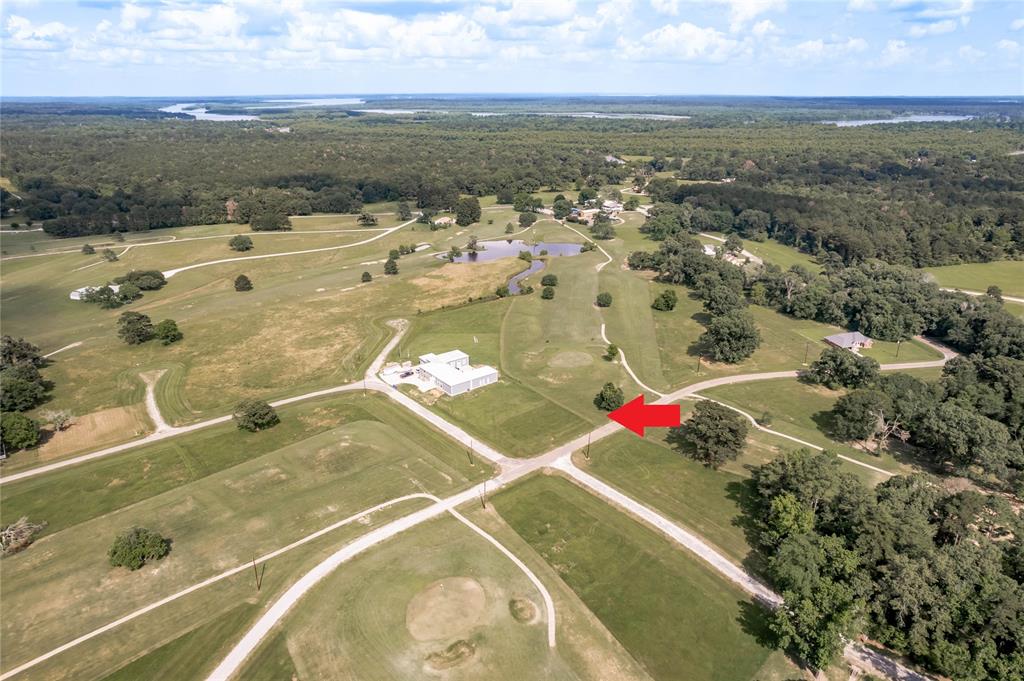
point(764, 27)
point(812, 51)
point(670, 7)
point(948, 8)
point(1011, 47)
point(970, 53)
point(895, 52)
point(24, 35)
point(861, 6)
point(526, 12)
point(684, 41)
point(1017, 24)
point(935, 28)
point(741, 12)
point(132, 14)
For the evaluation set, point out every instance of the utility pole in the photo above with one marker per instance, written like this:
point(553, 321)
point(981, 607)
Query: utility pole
point(898, 348)
point(699, 358)
point(586, 453)
point(469, 453)
point(258, 573)
point(807, 349)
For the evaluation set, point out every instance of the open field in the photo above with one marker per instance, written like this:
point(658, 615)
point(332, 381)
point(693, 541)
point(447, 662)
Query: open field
point(308, 323)
point(662, 604)
point(1006, 274)
point(216, 518)
point(772, 251)
point(803, 411)
point(384, 614)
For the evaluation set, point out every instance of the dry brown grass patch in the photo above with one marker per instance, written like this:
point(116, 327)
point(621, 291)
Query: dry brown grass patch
point(94, 431)
point(453, 283)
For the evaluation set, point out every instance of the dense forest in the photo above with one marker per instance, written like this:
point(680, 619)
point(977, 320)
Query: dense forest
point(914, 194)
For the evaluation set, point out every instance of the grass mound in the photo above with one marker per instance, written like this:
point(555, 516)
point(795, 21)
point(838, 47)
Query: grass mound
point(447, 608)
point(452, 656)
point(523, 610)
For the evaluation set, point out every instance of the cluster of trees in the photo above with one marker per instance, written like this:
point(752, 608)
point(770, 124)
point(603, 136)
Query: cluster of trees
point(970, 422)
point(884, 301)
point(610, 398)
point(22, 388)
point(130, 288)
point(714, 435)
point(135, 328)
point(936, 576)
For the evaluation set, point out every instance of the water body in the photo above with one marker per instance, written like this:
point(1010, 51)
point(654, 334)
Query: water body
point(300, 103)
point(203, 114)
point(492, 250)
point(566, 114)
point(923, 118)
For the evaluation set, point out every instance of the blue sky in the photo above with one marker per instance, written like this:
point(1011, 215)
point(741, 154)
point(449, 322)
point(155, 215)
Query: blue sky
point(751, 47)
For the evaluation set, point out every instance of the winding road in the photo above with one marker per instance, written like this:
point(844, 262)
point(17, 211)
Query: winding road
point(510, 469)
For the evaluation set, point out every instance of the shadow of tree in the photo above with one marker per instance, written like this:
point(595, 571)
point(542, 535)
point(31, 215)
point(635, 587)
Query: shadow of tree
point(753, 620)
point(744, 494)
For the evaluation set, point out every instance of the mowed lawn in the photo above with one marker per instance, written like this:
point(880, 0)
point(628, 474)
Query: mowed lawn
point(772, 251)
point(309, 323)
point(804, 411)
point(673, 614)
point(1006, 274)
point(370, 619)
point(221, 496)
point(549, 354)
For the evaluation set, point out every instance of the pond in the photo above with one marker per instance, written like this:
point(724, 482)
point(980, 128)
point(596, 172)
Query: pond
point(492, 250)
point(201, 113)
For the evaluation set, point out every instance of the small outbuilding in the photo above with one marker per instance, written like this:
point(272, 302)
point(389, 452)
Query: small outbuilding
point(852, 341)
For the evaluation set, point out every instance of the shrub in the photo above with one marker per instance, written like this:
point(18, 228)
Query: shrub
point(527, 219)
point(270, 222)
point(501, 291)
point(254, 415)
point(137, 546)
point(604, 299)
point(549, 280)
point(87, 249)
point(367, 219)
point(18, 431)
point(611, 352)
point(665, 301)
point(146, 280)
point(391, 267)
point(240, 242)
point(243, 283)
point(509, 228)
point(367, 277)
point(18, 535)
point(134, 328)
point(547, 293)
point(167, 332)
point(109, 255)
point(610, 398)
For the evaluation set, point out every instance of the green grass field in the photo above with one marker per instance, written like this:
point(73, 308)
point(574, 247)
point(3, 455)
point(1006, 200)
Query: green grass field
point(772, 251)
point(382, 614)
point(1006, 274)
point(803, 411)
point(668, 610)
point(329, 460)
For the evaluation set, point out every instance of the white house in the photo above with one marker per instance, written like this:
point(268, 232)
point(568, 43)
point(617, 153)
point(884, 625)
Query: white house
point(78, 293)
point(610, 206)
point(451, 372)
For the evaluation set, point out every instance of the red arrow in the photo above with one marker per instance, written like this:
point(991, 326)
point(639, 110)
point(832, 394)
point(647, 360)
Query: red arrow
point(636, 415)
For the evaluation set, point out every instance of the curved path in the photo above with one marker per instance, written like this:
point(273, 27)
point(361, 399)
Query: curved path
point(625, 365)
point(386, 231)
point(510, 470)
point(599, 266)
point(1012, 299)
point(165, 239)
point(207, 582)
